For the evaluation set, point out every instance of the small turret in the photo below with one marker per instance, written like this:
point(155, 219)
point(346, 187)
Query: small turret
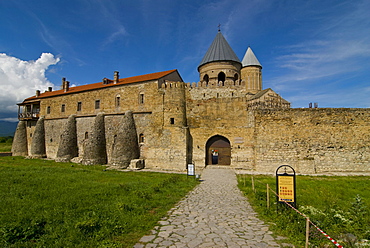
point(251, 72)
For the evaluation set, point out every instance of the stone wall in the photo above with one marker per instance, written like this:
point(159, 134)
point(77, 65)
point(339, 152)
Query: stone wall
point(174, 121)
point(313, 140)
point(220, 111)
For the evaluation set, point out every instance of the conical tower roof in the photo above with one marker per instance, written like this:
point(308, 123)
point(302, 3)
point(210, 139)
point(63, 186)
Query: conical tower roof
point(219, 50)
point(250, 59)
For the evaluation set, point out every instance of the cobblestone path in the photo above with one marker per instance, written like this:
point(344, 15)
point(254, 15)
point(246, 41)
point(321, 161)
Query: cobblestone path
point(214, 214)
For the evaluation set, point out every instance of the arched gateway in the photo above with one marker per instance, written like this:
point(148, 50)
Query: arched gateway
point(218, 151)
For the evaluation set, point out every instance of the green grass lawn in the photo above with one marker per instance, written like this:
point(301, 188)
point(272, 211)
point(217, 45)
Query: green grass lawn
point(49, 204)
point(340, 206)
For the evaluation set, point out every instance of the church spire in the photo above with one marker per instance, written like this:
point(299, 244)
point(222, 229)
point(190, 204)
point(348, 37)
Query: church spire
point(219, 50)
point(250, 59)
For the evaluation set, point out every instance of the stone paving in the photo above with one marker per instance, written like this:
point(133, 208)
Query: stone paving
point(214, 214)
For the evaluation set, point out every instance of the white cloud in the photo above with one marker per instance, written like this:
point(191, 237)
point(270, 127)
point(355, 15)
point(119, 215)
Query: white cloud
point(20, 79)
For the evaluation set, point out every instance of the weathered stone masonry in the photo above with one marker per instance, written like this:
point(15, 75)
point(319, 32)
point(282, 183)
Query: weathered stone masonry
point(158, 120)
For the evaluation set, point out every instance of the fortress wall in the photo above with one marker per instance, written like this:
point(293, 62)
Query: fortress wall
point(313, 140)
point(30, 130)
point(241, 141)
point(221, 116)
point(169, 151)
point(112, 122)
point(165, 130)
point(204, 93)
point(84, 127)
point(53, 132)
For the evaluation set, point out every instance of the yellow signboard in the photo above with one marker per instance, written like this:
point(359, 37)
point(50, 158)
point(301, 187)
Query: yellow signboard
point(286, 188)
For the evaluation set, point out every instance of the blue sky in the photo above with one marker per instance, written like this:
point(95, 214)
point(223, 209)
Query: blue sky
point(311, 51)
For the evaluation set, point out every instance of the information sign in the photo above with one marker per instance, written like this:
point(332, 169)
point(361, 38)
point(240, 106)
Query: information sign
point(191, 170)
point(286, 188)
point(285, 185)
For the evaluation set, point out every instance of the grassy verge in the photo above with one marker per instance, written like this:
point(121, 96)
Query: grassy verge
point(340, 206)
point(48, 204)
point(6, 144)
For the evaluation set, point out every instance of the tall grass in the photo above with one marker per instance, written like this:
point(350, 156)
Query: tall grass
point(49, 204)
point(340, 206)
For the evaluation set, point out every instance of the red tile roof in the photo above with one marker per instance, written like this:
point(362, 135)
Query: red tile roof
point(87, 87)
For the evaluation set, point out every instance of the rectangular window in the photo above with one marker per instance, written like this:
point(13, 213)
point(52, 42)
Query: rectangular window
point(118, 101)
point(141, 138)
point(172, 120)
point(141, 98)
point(48, 110)
point(79, 106)
point(63, 109)
point(97, 104)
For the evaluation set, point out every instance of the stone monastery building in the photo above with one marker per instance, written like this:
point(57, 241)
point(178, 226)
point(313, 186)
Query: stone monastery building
point(227, 118)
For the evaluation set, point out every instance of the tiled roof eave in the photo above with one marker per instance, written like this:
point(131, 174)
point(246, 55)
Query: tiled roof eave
point(97, 86)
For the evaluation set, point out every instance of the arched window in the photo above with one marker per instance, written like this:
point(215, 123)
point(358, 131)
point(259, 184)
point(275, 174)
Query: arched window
point(118, 101)
point(206, 78)
point(221, 78)
point(236, 77)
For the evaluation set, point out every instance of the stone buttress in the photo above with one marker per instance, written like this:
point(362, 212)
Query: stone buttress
point(38, 149)
point(95, 146)
point(125, 145)
point(68, 148)
point(19, 147)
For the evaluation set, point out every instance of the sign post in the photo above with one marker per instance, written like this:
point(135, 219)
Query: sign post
point(285, 185)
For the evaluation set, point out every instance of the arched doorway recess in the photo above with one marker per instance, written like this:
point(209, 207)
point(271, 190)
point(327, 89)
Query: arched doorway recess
point(218, 151)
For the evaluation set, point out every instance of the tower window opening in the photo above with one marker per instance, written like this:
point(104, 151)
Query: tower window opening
point(236, 77)
point(172, 121)
point(206, 78)
point(221, 78)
